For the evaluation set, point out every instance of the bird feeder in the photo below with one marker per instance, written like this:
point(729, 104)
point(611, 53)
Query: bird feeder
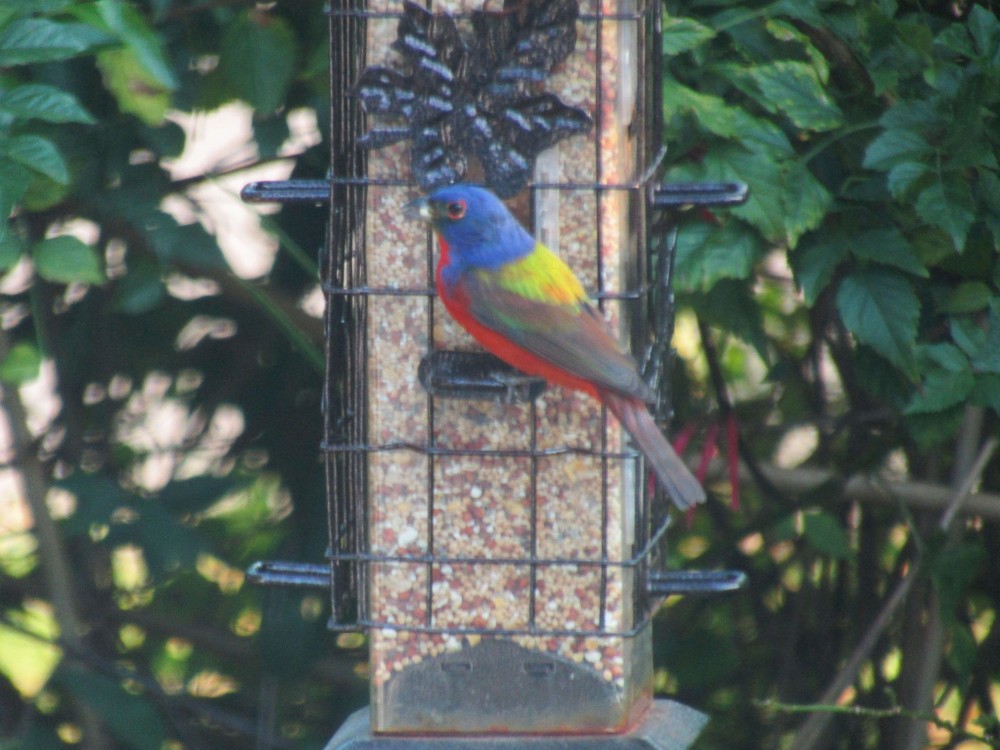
point(498, 539)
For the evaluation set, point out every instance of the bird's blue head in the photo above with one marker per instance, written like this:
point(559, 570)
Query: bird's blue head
point(476, 225)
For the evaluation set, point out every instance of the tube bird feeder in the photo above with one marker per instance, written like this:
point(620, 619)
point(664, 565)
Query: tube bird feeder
point(498, 539)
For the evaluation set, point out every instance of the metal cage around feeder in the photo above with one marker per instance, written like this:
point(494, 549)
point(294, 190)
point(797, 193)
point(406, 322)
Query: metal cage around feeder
point(499, 540)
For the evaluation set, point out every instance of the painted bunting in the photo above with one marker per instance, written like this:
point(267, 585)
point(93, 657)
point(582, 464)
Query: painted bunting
point(523, 303)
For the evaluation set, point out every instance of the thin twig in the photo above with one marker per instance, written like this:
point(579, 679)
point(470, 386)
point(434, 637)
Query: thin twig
point(876, 713)
point(922, 661)
point(875, 489)
point(812, 729)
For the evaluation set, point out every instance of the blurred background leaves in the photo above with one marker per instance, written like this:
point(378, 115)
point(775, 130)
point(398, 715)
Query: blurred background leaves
point(854, 306)
point(164, 412)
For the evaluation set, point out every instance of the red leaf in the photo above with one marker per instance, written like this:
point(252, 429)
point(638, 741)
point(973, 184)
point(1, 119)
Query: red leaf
point(709, 451)
point(682, 439)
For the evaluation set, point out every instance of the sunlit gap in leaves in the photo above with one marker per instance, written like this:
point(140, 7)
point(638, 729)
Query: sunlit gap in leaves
point(28, 654)
point(215, 143)
point(170, 439)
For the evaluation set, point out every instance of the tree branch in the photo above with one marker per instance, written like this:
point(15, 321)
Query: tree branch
point(875, 490)
point(55, 565)
point(811, 731)
point(923, 664)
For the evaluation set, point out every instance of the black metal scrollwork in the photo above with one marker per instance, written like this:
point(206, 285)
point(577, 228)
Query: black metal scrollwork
point(482, 97)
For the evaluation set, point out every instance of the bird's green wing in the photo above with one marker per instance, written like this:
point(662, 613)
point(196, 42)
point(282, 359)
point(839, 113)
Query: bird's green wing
point(539, 305)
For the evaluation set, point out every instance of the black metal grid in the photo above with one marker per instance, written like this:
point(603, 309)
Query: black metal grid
point(650, 513)
point(346, 444)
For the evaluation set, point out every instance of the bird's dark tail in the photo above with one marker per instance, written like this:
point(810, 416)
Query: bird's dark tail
point(673, 474)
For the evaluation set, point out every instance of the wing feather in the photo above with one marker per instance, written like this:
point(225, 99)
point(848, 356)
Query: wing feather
point(572, 335)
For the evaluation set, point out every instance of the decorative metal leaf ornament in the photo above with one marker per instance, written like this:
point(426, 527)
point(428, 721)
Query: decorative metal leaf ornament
point(481, 97)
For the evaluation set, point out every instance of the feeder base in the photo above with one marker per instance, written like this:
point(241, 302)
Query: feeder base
point(666, 725)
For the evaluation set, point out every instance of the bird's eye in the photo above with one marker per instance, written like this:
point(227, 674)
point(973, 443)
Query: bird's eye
point(456, 210)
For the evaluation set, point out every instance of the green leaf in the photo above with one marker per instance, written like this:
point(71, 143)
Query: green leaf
point(765, 207)
point(135, 89)
point(34, 40)
point(188, 244)
point(141, 289)
point(953, 569)
point(933, 429)
point(985, 29)
point(707, 253)
point(39, 101)
point(889, 247)
point(683, 34)
point(916, 115)
point(962, 655)
point(827, 536)
point(14, 180)
point(893, 147)
point(785, 32)
point(143, 43)
point(796, 90)
point(945, 356)
point(947, 204)
point(65, 260)
point(806, 203)
point(986, 392)
point(956, 38)
point(987, 359)
point(881, 309)
point(981, 346)
point(729, 306)
point(132, 719)
point(258, 58)
point(26, 7)
point(881, 380)
point(941, 390)
point(988, 188)
point(968, 336)
point(725, 120)
point(933, 247)
point(903, 176)
point(38, 154)
point(814, 263)
point(22, 363)
point(43, 193)
point(969, 296)
point(10, 250)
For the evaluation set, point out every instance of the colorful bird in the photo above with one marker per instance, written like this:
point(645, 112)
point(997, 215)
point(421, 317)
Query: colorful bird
point(523, 303)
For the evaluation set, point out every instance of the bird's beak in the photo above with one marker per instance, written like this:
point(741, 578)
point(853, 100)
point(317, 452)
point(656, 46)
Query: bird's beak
point(420, 209)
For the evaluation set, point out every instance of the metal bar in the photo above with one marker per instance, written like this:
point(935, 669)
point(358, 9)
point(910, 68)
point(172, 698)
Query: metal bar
point(401, 445)
point(533, 497)
point(680, 194)
point(290, 574)
point(667, 583)
point(431, 441)
point(286, 191)
point(368, 624)
point(422, 291)
point(531, 185)
point(467, 560)
point(476, 375)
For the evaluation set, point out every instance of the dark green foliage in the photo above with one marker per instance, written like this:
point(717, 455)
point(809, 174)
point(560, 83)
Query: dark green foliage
point(864, 273)
point(140, 315)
